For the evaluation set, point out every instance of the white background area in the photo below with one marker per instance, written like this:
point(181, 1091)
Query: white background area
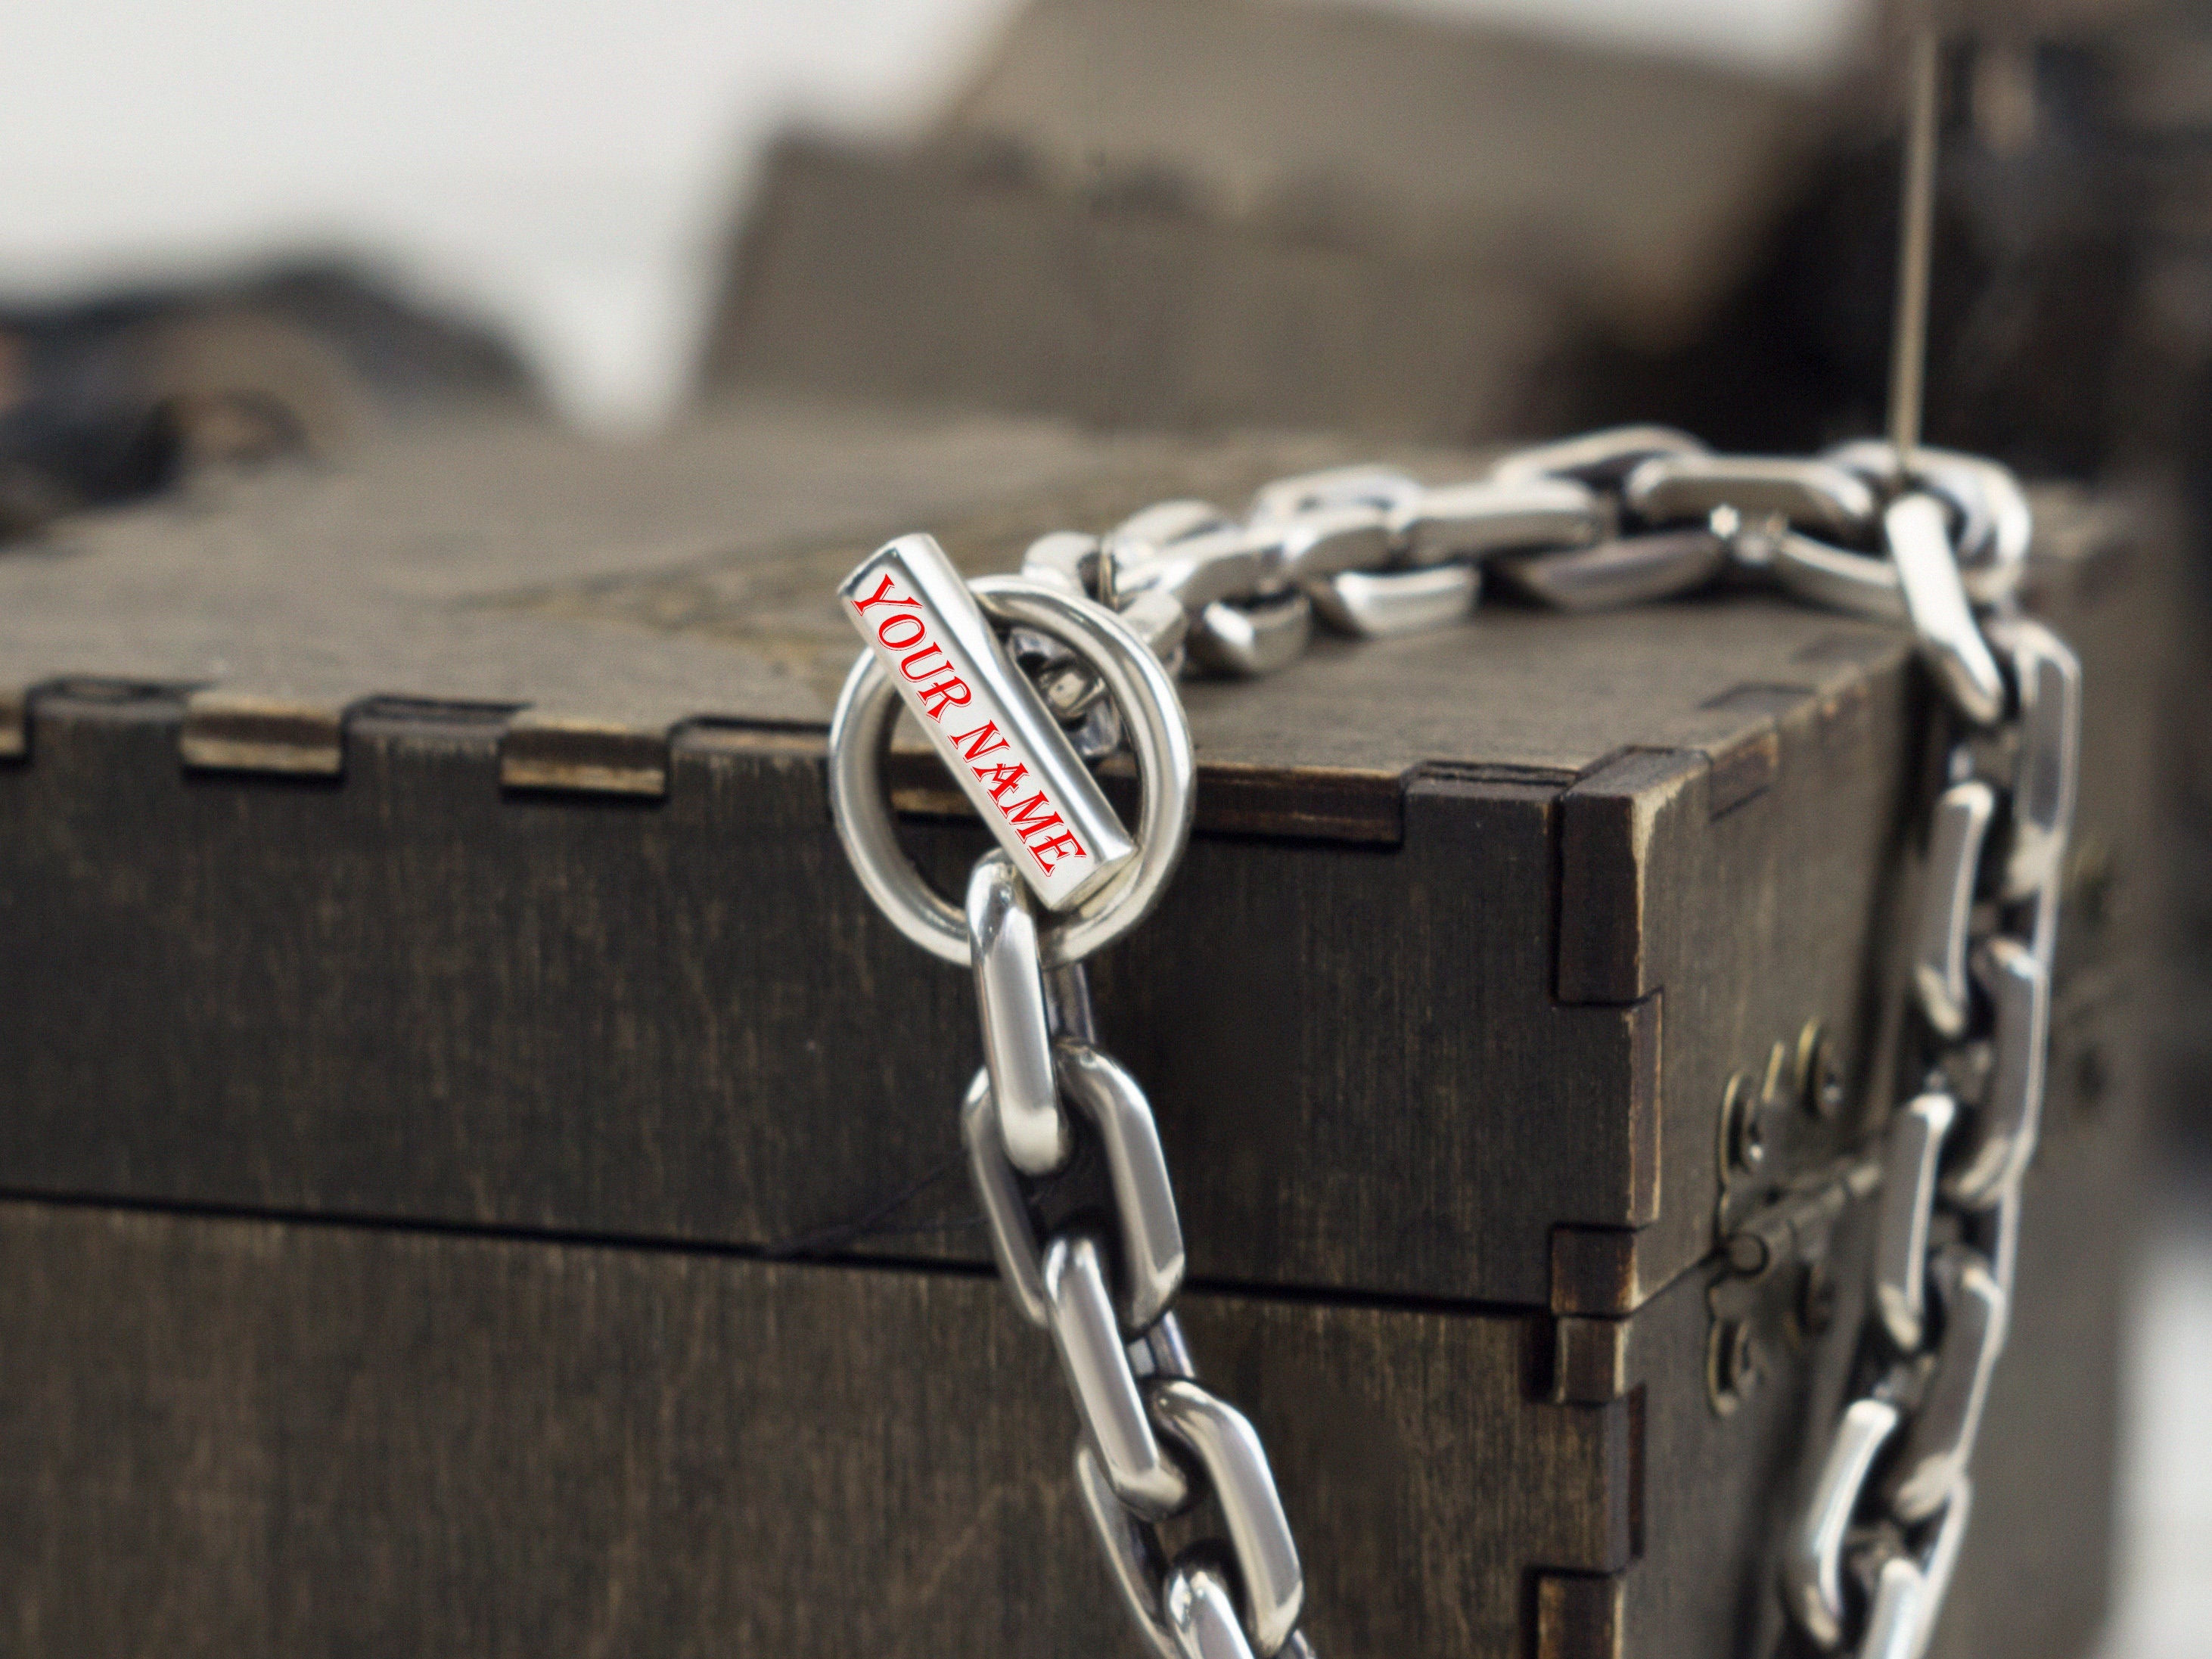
point(570, 169)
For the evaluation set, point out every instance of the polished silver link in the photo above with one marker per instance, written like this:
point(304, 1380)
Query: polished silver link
point(2048, 678)
point(1934, 471)
point(1161, 622)
point(1223, 1443)
point(1162, 524)
point(1940, 1440)
point(1941, 1560)
point(1813, 1569)
point(1908, 1205)
point(1133, 1558)
point(1091, 1353)
point(1994, 523)
point(2019, 988)
point(1384, 604)
point(1918, 539)
point(1002, 944)
point(1473, 520)
point(1385, 487)
point(1328, 542)
point(1202, 1615)
point(1994, 571)
point(1596, 458)
point(1067, 1003)
point(1909, 1591)
point(1624, 570)
point(1163, 1352)
point(1005, 1213)
point(1069, 689)
point(1820, 574)
point(1898, 1610)
point(1232, 561)
point(1151, 1235)
point(1954, 860)
point(1246, 641)
point(1062, 558)
point(1097, 626)
point(1810, 495)
point(1999, 1236)
point(1906, 1591)
point(1079, 567)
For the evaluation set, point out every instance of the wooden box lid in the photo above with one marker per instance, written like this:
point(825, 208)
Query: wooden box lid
point(442, 839)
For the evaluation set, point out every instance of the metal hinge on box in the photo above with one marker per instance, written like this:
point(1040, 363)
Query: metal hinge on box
point(1786, 1178)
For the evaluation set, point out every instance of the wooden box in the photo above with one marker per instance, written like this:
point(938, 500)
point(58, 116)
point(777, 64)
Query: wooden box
point(480, 1176)
point(1202, 213)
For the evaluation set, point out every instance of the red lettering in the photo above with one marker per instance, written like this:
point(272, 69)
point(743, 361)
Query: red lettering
point(939, 692)
point(977, 748)
point(907, 662)
point(1064, 843)
point(1029, 816)
point(884, 631)
point(1001, 778)
point(882, 595)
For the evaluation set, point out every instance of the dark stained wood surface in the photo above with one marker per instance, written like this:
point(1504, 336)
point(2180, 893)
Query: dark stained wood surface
point(638, 588)
point(241, 1438)
point(1443, 925)
point(1012, 294)
point(1626, 185)
point(231, 1436)
point(1719, 1492)
point(407, 995)
point(548, 1015)
point(1350, 221)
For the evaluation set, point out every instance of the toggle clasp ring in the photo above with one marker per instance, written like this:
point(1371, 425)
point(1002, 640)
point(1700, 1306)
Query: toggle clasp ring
point(1151, 715)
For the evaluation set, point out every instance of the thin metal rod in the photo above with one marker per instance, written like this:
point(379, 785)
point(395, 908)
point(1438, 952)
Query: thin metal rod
point(1909, 333)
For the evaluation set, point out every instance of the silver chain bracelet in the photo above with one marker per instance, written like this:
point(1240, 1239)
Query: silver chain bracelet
point(1019, 680)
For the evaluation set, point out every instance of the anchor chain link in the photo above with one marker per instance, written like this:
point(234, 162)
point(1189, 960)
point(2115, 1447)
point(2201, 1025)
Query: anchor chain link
point(1625, 516)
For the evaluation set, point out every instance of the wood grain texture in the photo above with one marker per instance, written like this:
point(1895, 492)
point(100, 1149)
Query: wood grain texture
point(647, 587)
point(1278, 219)
point(245, 1438)
point(1011, 294)
point(242, 1438)
point(470, 979)
point(1720, 1492)
point(1746, 922)
point(1607, 822)
point(406, 994)
point(1644, 181)
point(540, 749)
point(1590, 1360)
point(1579, 1617)
point(227, 730)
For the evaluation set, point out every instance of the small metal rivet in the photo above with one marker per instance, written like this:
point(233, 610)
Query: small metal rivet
point(1742, 1140)
point(1819, 1073)
point(1731, 1365)
point(1747, 1254)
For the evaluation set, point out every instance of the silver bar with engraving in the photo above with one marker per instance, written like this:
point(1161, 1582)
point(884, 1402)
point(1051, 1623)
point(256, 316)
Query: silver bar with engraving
point(986, 721)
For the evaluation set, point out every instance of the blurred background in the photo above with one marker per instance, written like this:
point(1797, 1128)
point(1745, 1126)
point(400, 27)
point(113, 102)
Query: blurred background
point(246, 229)
point(571, 176)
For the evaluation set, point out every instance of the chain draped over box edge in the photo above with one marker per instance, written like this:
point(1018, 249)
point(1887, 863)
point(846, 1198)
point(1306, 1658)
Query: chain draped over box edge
point(1624, 516)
